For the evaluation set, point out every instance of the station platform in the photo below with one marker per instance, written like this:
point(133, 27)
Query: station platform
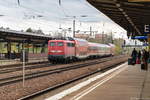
point(125, 82)
point(132, 83)
point(17, 61)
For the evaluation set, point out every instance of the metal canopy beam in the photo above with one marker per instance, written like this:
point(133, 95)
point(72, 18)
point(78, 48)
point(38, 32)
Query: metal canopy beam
point(22, 36)
point(136, 14)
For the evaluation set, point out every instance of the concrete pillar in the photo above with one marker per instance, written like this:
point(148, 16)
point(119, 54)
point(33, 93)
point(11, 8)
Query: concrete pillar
point(36, 49)
point(22, 46)
point(18, 47)
point(27, 45)
point(9, 49)
point(33, 48)
point(43, 48)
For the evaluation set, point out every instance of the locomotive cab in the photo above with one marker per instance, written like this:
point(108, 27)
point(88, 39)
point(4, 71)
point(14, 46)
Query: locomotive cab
point(59, 50)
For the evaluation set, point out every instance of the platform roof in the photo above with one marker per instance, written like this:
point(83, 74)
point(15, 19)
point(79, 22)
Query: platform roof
point(17, 36)
point(132, 15)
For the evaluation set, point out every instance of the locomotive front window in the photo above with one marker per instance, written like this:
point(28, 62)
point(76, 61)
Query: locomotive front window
point(52, 43)
point(70, 44)
point(73, 45)
point(60, 44)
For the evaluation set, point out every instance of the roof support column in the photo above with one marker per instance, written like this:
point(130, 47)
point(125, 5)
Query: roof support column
point(9, 49)
point(118, 5)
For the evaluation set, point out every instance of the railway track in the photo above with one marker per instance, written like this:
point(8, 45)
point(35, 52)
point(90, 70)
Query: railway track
point(28, 67)
point(8, 69)
point(37, 94)
point(17, 65)
point(14, 79)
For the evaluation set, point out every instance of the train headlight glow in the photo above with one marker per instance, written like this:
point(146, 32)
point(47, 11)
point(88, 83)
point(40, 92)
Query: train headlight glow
point(56, 51)
point(59, 51)
point(53, 51)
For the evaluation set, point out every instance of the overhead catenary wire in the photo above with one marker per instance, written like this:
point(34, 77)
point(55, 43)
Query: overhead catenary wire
point(41, 13)
point(60, 6)
point(64, 12)
point(33, 16)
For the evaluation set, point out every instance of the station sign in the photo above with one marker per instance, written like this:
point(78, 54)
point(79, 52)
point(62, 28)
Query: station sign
point(139, 37)
point(145, 44)
point(147, 28)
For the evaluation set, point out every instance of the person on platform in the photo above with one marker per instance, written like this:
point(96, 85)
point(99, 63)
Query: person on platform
point(138, 59)
point(139, 55)
point(134, 56)
point(145, 56)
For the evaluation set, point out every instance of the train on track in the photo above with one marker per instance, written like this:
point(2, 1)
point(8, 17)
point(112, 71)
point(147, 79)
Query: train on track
point(70, 49)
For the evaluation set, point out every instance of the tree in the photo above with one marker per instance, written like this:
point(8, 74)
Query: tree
point(29, 30)
point(118, 43)
point(2, 27)
point(22, 30)
point(7, 28)
point(39, 31)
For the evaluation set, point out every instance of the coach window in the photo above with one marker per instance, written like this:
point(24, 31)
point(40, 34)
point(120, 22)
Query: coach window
point(60, 44)
point(52, 43)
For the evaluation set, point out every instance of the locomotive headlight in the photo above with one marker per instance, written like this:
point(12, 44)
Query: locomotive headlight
point(59, 51)
point(53, 50)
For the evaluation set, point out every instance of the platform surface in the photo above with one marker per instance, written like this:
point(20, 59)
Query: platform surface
point(17, 61)
point(130, 84)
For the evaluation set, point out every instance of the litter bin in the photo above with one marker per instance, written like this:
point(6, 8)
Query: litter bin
point(26, 55)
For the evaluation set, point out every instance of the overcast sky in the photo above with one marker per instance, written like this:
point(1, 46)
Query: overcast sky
point(49, 15)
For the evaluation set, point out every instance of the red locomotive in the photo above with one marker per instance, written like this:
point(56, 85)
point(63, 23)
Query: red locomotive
point(75, 48)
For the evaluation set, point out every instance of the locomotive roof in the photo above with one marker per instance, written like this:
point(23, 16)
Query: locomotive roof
point(60, 40)
point(78, 39)
point(70, 38)
point(63, 38)
point(83, 40)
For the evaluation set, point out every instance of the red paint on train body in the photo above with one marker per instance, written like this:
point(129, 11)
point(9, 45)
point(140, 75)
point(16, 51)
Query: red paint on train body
point(76, 49)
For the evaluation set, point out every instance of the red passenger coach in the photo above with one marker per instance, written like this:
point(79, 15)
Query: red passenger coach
point(99, 50)
point(112, 49)
point(81, 46)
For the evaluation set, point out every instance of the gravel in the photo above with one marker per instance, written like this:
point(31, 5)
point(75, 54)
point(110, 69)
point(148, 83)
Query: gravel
point(16, 90)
